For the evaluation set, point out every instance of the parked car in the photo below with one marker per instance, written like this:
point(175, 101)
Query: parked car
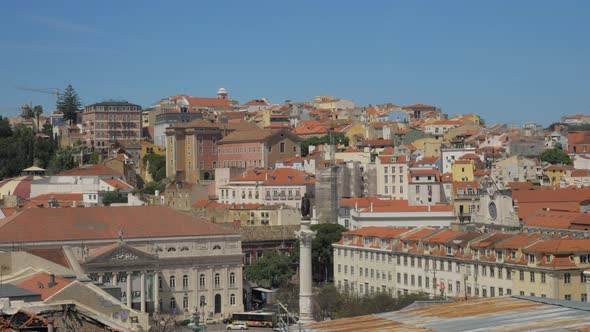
point(226, 320)
point(237, 326)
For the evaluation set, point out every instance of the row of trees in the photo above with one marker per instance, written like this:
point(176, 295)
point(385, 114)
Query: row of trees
point(275, 269)
point(329, 303)
point(21, 148)
point(339, 138)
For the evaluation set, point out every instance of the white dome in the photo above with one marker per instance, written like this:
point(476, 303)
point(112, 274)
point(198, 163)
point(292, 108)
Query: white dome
point(222, 91)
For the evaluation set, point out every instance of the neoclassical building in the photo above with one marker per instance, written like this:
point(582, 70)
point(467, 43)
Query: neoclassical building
point(160, 260)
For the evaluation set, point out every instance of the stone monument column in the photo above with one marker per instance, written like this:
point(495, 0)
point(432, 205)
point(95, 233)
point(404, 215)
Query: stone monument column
point(305, 236)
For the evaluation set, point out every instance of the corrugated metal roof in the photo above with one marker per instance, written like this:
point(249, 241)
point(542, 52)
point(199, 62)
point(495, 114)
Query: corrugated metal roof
point(493, 314)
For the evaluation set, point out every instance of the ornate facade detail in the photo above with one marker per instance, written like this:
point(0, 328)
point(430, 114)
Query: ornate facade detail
point(123, 255)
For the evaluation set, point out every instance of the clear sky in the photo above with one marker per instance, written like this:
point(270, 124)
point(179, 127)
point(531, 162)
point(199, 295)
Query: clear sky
point(510, 61)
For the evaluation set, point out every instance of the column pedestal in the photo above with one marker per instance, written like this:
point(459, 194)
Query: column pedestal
point(305, 236)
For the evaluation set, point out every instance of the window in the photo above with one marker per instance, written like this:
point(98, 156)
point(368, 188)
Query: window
point(521, 275)
point(232, 279)
point(584, 297)
point(282, 147)
point(500, 291)
point(543, 277)
point(202, 281)
point(568, 297)
point(532, 276)
point(427, 282)
point(185, 302)
point(202, 301)
point(232, 299)
point(582, 277)
point(567, 278)
point(508, 274)
point(172, 282)
point(185, 281)
point(399, 278)
point(172, 303)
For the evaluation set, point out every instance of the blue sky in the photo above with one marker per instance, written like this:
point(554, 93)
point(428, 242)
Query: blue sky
point(510, 61)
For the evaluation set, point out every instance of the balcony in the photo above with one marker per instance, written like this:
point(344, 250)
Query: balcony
point(464, 217)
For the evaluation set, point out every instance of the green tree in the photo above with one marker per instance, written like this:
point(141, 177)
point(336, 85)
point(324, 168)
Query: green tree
point(69, 103)
point(151, 187)
point(62, 160)
point(93, 158)
point(555, 156)
point(156, 165)
point(339, 138)
point(47, 129)
point(5, 130)
point(37, 111)
point(113, 197)
point(272, 270)
point(323, 254)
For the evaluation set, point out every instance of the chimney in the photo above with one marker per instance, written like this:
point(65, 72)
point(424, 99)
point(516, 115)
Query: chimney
point(356, 205)
point(51, 282)
point(371, 206)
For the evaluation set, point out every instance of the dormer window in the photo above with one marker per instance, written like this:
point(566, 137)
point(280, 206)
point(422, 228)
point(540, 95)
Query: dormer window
point(405, 245)
point(531, 259)
point(366, 241)
point(449, 250)
point(513, 254)
point(499, 254)
point(548, 258)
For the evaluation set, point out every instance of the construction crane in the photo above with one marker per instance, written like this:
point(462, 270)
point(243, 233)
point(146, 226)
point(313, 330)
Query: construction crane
point(52, 91)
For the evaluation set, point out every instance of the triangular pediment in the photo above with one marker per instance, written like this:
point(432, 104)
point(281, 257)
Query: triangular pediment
point(119, 252)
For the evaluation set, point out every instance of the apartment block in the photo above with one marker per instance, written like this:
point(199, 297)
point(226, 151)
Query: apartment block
point(460, 264)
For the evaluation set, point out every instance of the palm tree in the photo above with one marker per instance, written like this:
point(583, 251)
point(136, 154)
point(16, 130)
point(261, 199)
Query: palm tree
point(37, 111)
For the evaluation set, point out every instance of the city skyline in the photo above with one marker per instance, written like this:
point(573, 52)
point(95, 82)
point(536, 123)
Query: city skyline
point(508, 62)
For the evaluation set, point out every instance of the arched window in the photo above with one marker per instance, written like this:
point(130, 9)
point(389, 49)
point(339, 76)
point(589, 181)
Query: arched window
point(184, 249)
point(202, 281)
point(217, 280)
point(202, 301)
point(172, 303)
point(185, 281)
point(172, 281)
point(185, 302)
point(171, 249)
point(232, 279)
point(216, 247)
point(232, 299)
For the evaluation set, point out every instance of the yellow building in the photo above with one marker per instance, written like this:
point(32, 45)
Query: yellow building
point(463, 170)
point(553, 174)
point(465, 197)
point(431, 146)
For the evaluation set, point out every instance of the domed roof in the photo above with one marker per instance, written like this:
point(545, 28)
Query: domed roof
point(222, 91)
point(25, 105)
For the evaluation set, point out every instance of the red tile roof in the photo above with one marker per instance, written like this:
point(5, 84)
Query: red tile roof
point(257, 102)
point(55, 255)
point(379, 231)
point(518, 241)
point(420, 106)
point(552, 219)
point(33, 225)
point(208, 102)
point(279, 176)
point(94, 170)
point(443, 236)
point(562, 246)
point(118, 184)
point(403, 206)
point(39, 284)
point(420, 234)
point(363, 202)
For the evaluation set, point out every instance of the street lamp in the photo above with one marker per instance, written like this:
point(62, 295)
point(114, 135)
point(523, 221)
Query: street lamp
point(433, 271)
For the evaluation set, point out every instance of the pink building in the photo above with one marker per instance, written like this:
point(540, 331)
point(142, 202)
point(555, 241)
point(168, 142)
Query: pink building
point(106, 122)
